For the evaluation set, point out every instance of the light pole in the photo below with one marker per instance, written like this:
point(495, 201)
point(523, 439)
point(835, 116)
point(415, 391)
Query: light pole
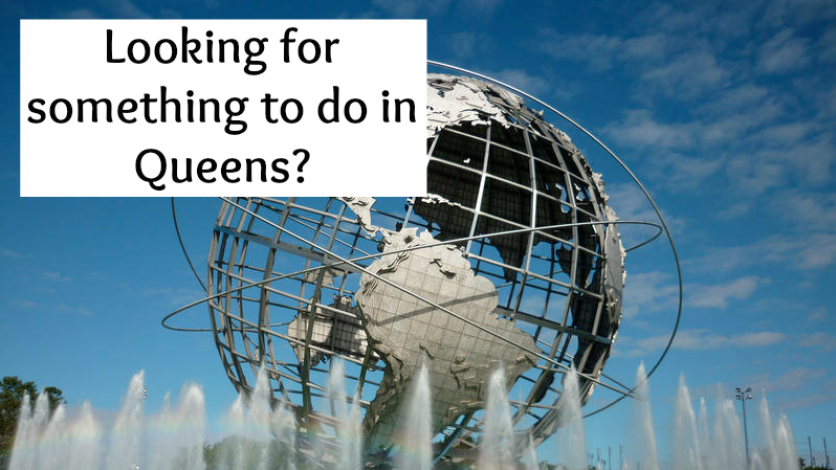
point(744, 394)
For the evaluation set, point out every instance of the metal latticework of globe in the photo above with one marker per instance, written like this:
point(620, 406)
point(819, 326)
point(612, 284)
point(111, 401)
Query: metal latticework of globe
point(513, 260)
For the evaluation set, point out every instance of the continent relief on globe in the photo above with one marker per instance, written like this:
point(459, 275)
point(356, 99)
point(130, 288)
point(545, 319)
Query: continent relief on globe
point(407, 331)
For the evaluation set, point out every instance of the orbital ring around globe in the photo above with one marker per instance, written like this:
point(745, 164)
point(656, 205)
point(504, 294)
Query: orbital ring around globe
point(512, 261)
point(353, 262)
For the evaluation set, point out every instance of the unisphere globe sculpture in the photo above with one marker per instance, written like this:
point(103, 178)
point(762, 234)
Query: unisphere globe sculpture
point(513, 260)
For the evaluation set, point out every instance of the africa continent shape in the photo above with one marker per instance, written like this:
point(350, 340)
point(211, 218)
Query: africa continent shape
point(405, 329)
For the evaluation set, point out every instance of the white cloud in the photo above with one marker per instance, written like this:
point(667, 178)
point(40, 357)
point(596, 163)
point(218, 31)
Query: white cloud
point(817, 315)
point(804, 251)
point(481, 7)
point(727, 19)
point(657, 291)
point(735, 210)
point(719, 295)
point(806, 402)
point(523, 80)
point(735, 99)
point(766, 165)
point(56, 276)
point(798, 12)
point(410, 8)
point(689, 74)
point(701, 340)
point(603, 51)
point(649, 292)
point(630, 203)
point(766, 135)
point(821, 340)
point(75, 309)
point(639, 128)
point(783, 134)
point(677, 172)
point(82, 14)
point(826, 47)
point(812, 210)
point(783, 53)
point(463, 43)
point(7, 253)
point(173, 297)
point(126, 9)
point(793, 379)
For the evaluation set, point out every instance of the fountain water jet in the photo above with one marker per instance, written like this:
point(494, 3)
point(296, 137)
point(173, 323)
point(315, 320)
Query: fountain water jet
point(415, 442)
point(29, 428)
point(258, 419)
point(646, 437)
point(284, 430)
point(53, 449)
point(124, 440)
point(233, 456)
point(349, 432)
point(497, 447)
point(174, 439)
point(686, 443)
point(531, 462)
point(84, 441)
point(571, 440)
point(703, 423)
point(177, 435)
point(720, 445)
point(778, 449)
point(729, 448)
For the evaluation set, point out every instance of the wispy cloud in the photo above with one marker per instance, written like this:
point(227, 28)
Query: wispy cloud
point(793, 379)
point(749, 126)
point(826, 47)
point(411, 8)
point(817, 315)
point(479, 7)
point(7, 253)
point(811, 210)
point(649, 292)
point(638, 128)
point(81, 14)
point(701, 340)
point(807, 401)
point(602, 51)
point(688, 75)
point(630, 203)
point(719, 295)
point(126, 9)
point(115, 9)
point(84, 311)
point(819, 340)
point(55, 276)
point(172, 297)
point(463, 44)
point(783, 53)
point(798, 12)
point(657, 291)
point(804, 251)
point(523, 80)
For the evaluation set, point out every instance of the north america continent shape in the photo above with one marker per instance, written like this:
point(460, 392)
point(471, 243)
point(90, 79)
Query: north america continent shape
point(407, 330)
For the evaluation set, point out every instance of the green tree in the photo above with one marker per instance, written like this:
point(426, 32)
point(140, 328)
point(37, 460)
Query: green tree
point(803, 465)
point(12, 391)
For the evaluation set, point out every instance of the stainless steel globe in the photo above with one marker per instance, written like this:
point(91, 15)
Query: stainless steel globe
point(512, 260)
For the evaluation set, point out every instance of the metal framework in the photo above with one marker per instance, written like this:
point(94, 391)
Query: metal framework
point(520, 202)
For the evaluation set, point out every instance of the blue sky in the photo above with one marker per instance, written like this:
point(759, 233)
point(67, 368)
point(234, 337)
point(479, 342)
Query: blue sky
point(726, 112)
